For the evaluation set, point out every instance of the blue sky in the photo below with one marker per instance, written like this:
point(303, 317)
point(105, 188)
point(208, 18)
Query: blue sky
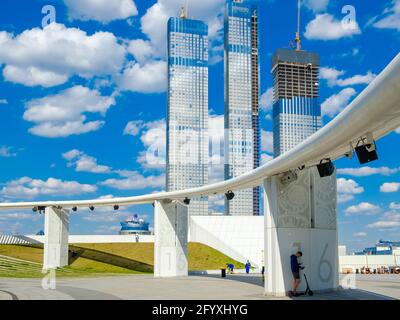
point(82, 100)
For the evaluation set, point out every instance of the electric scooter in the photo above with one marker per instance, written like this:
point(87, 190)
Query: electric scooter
point(308, 291)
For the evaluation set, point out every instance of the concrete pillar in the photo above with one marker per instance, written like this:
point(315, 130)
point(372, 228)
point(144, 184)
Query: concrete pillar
point(171, 239)
point(301, 216)
point(56, 232)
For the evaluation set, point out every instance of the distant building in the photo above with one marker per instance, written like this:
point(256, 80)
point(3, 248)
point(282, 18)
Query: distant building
point(382, 248)
point(296, 108)
point(187, 114)
point(135, 225)
point(242, 131)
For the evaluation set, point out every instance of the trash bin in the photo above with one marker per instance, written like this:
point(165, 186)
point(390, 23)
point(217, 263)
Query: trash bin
point(357, 271)
point(223, 273)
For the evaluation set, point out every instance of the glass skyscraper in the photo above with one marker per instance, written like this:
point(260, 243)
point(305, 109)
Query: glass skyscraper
point(242, 132)
point(187, 114)
point(296, 109)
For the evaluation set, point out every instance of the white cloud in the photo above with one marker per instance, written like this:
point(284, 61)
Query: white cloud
point(62, 114)
point(337, 102)
point(30, 188)
point(84, 163)
point(267, 141)
point(100, 10)
point(332, 76)
point(136, 181)
point(267, 100)
point(153, 137)
point(148, 78)
point(348, 186)
point(216, 161)
point(6, 152)
point(32, 76)
point(342, 198)
point(216, 203)
point(390, 220)
point(390, 187)
point(142, 50)
point(367, 171)
point(357, 79)
point(365, 208)
point(360, 234)
point(326, 27)
point(394, 206)
point(50, 56)
point(391, 17)
point(216, 131)
point(316, 5)
point(384, 225)
point(3, 101)
point(133, 128)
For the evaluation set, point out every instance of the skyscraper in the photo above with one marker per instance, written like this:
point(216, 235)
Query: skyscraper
point(187, 114)
point(296, 109)
point(242, 132)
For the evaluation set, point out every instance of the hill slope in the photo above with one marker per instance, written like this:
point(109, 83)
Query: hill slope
point(109, 258)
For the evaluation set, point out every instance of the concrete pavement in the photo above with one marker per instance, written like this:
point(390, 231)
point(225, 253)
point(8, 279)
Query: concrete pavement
point(145, 287)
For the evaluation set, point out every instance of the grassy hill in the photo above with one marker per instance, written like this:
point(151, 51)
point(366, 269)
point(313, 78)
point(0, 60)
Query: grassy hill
point(107, 258)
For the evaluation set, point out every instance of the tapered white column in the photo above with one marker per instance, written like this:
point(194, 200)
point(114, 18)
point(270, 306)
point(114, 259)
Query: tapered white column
point(56, 232)
point(301, 216)
point(171, 239)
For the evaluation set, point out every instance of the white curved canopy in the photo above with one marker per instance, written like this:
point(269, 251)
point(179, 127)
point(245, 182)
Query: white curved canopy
point(375, 111)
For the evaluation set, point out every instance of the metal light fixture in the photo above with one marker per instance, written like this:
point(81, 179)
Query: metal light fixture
point(186, 201)
point(116, 207)
point(91, 208)
point(229, 195)
point(366, 152)
point(326, 169)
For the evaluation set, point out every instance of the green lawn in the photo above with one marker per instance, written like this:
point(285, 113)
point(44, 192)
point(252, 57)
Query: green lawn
point(104, 259)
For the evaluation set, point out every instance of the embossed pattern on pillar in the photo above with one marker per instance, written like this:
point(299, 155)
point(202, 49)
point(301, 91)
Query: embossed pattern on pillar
point(294, 202)
point(324, 200)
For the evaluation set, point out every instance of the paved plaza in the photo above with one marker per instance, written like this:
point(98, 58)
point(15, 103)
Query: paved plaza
point(138, 287)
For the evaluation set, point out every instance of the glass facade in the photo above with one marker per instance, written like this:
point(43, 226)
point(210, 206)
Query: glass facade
point(242, 137)
point(296, 109)
point(187, 114)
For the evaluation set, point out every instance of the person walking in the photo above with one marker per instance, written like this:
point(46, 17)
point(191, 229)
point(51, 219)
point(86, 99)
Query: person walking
point(248, 266)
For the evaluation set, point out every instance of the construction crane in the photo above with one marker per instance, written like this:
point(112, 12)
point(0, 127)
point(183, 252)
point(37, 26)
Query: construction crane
point(298, 39)
point(185, 10)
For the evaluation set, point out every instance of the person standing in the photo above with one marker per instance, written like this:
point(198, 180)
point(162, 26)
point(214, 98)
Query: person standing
point(296, 266)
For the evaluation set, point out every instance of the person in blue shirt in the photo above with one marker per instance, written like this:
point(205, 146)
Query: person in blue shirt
point(248, 266)
point(230, 267)
point(296, 267)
